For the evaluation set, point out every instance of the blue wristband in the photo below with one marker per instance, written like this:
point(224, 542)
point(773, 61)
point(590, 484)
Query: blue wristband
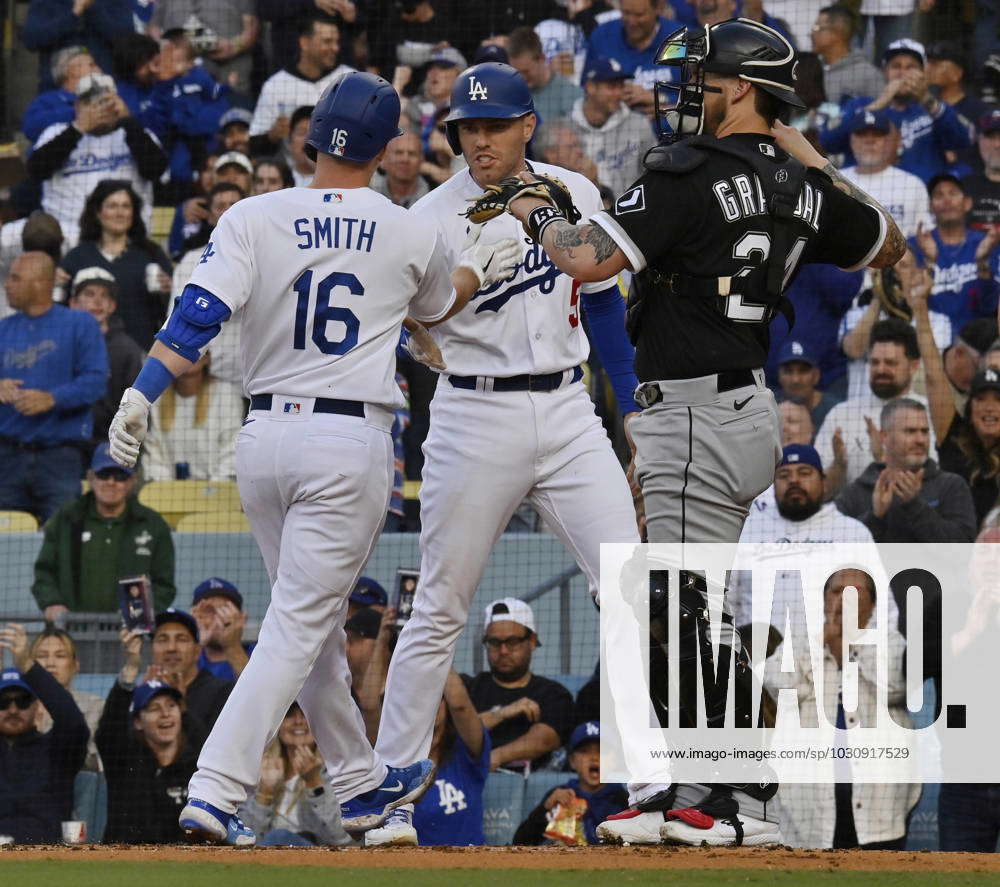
point(154, 378)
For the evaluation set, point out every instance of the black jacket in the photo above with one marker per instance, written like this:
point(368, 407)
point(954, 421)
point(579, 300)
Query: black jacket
point(144, 800)
point(205, 696)
point(941, 512)
point(37, 769)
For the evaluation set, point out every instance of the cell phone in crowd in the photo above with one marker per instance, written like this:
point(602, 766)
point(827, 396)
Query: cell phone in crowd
point(406, 590)
point(135, 600)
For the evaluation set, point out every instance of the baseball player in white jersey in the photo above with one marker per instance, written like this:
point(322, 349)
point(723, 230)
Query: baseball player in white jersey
point(509, 419)
point(324, 276)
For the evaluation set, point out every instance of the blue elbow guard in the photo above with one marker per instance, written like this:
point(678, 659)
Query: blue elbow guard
point(197, 317)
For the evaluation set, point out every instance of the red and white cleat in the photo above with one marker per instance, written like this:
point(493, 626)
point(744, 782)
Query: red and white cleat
point(693, 827)
point(632, 826)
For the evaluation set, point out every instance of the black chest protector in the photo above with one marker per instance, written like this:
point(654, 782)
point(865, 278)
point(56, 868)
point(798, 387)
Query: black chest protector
point(781, 181)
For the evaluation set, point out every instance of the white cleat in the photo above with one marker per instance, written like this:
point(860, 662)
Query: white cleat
point(696, 829)
point(398, 830)
point(632, 826)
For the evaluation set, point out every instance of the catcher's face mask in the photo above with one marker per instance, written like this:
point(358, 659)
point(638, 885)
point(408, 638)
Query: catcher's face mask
point(680, 103)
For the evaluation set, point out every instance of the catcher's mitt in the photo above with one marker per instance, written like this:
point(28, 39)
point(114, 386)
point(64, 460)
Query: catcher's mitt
point(497, 198)
point(888, 289)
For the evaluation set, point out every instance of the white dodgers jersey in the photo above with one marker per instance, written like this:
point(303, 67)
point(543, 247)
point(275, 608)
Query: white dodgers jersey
point(325, 278)
point(528, 323)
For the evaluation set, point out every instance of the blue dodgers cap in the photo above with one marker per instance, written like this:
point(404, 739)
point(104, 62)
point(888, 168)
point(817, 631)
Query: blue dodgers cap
point(602, 69)
point(216, 587)
point(876, 120)
point(235, 115)
point(172, 614)
point(448, 57)
point(590, 731)
point(907, 45)
point(144, 694)
point(491, 53)
point(801, 454)
point(792, 352)
point(102, 460)
point(369, 593)
point(11, 677)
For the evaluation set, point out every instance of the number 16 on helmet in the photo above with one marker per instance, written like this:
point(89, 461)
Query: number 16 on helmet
point(354, 119)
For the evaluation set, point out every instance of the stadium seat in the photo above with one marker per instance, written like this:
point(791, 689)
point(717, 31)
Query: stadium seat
point(98, 683)
point(214, 522)
point(540, 784)
point(17, 522)
point(175, 498)
point(163, 219)
point(411, 489)
point(572, 682)
point(503, 807)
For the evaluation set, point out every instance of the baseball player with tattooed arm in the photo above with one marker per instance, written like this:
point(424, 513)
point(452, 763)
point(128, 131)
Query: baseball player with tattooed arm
point(732, 203)
point(510, 418)
point(323, 277)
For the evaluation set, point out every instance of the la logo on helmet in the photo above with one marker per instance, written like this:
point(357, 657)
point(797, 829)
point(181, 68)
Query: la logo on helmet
point(477, 91)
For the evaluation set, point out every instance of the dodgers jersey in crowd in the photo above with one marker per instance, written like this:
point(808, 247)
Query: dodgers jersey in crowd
point(529, 323)
point(797, 552)
point(331, 272)
point(902, 194)
point(94, 159)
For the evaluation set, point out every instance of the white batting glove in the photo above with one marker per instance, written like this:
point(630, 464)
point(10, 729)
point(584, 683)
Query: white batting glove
point(128, 427)
point(490, 262)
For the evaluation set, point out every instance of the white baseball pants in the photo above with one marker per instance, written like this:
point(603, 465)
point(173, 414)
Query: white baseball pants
point(486, 452)
point(315, 488)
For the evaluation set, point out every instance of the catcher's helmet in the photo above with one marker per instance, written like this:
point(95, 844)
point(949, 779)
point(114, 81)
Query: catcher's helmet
point(355, 118)
point(491, 89)
point(737, 48)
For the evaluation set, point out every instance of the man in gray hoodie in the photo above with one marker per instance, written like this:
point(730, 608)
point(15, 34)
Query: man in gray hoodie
point(614, 137)
point(908, 498)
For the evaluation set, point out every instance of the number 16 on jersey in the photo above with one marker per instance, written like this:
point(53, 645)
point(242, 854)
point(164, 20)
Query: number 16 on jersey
point(324, 311)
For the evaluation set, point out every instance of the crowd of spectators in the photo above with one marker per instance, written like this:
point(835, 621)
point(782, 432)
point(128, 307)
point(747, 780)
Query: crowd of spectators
point(889, 383)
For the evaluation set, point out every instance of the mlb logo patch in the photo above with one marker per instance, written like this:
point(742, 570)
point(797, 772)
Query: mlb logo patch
point(333, 197)
point(292, 408)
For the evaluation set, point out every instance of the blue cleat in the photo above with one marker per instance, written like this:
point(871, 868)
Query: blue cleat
point(402, 785)
point(201, 822)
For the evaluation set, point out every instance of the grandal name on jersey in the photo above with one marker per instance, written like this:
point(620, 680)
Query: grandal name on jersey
point(742, 197)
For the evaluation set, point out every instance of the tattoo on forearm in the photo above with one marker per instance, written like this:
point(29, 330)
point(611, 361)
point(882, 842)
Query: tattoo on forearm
point(567, 236)
point(894, 244)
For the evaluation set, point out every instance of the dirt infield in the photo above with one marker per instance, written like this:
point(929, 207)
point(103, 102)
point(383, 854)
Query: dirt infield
point(595, 858)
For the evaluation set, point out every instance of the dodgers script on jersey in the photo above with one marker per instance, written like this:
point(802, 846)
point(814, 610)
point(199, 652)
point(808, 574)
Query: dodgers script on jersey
point(324, 278)
point(529, 323)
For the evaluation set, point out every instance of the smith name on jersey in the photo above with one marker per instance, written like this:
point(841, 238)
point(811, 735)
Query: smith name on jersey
point(324, 278)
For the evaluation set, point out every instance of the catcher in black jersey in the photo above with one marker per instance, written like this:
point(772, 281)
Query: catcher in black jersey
point(733, 202)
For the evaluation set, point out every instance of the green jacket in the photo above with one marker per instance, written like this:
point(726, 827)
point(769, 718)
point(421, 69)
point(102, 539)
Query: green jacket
point(145, 547)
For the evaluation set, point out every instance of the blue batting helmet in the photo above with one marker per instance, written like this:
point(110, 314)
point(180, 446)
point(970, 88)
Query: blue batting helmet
point(354, 119)
point(491, 89)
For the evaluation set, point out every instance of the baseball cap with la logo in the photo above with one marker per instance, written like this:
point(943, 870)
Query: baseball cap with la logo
point(988, 380)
